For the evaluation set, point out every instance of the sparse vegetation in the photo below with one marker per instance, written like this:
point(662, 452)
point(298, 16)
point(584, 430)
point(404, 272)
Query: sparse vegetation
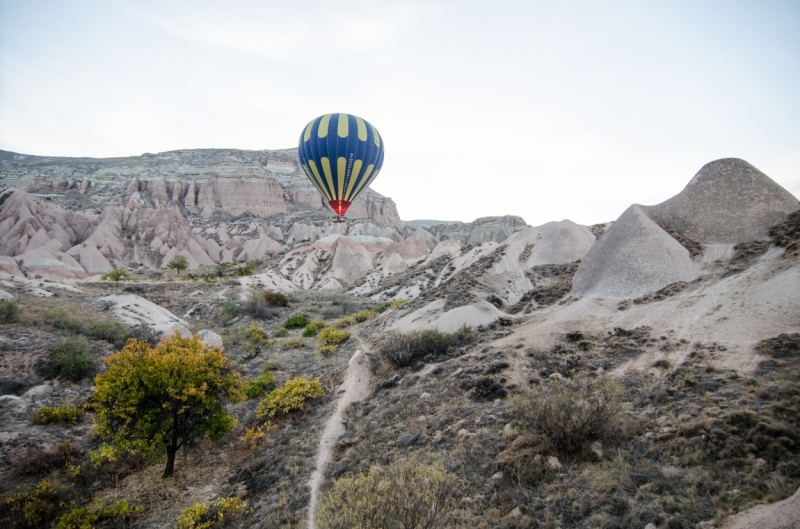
point(313, 328)
point(570, 414)
point(294, 343)
point(260, 304)
point(406, 494)
point(37, 507)
point(210, 514)
point(280, 332)
point(100, 514)
point(256, 334)
point(10, 311)
point(290, 397)
point(331, 336)
point(276, 299)
point(229, 310)
point(402, 350)
point(259, 385)
point(327, 350)
point(107, 329)
point(116, 274)
point(64, 414)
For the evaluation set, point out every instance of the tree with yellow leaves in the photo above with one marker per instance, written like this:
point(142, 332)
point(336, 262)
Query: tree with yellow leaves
point(156, 399)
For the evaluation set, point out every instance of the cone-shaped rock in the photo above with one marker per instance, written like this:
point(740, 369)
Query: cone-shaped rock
point(728, 201)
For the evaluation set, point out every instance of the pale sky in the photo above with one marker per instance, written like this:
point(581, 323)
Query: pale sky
point(547, 110)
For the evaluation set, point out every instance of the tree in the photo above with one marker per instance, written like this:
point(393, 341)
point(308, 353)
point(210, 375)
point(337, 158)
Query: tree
point(179, 262)
point(155, 400)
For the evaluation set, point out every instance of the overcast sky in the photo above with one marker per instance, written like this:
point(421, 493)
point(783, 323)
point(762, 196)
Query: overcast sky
point(547, 110)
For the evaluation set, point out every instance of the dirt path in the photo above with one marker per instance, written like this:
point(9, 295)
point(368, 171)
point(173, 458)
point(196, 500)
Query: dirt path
point(354, 388)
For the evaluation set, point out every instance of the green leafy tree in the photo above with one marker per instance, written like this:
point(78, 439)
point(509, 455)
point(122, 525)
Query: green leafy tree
point(179, 262)
point(156, 399)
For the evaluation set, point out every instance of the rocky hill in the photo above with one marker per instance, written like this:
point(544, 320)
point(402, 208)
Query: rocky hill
point(686, 313)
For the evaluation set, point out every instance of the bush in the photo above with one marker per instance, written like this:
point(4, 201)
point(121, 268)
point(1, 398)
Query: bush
point(258, 306)
point(71, 359)
point(229, 310)
point(296, 321)
point(275, 299)
point(117, 274)
point(108, 330)
point(145, 333)
point(9, 311)
point(570, 414)
point(407, 494)
point(210, 514)
point(280, 332)
point(64, 414)
point(313, 328)
point(256, 334)
point(63, 319)
point(40, 462)
point(327, 350)
point(402, 350)
point(379, 308)
point(259, 385)
point(398, 303)
point(99, 512)
point(294, 343)
point(290, 397)
point(362, 316)
point(331, 336)
point(38, 507)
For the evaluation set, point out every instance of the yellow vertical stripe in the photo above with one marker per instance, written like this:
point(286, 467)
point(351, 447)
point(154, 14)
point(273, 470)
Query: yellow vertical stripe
point(319, 179)
point(344, 125)
point(323, 126)
point(362, 129)
point(375, 137)
point(307, 135)
point(312, 178)
point(341, 167)
point(363, 180)
point(326, 168)
point(353, 177)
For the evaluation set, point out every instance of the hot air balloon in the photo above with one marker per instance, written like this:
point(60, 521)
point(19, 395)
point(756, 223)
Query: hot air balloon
point(341, 154)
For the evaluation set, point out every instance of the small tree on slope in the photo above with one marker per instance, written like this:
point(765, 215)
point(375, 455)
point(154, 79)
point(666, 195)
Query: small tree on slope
point(179, 262)
point(155, 400)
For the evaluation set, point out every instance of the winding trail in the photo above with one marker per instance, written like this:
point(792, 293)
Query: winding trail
point(354, 388)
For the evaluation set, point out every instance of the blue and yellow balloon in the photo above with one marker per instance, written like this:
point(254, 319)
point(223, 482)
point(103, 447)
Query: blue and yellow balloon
point(341, 154)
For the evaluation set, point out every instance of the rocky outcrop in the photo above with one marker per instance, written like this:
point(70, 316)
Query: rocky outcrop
point(728, 201)
point(206, 181)
point(485, 229)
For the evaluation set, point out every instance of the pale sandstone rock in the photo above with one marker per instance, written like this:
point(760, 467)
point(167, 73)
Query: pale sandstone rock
point(210, 338)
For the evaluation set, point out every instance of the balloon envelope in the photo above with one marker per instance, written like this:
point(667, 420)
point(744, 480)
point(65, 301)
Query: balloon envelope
point(341, 154)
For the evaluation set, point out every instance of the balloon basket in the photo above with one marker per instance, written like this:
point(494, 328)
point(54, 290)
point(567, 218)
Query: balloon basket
point(339, 219)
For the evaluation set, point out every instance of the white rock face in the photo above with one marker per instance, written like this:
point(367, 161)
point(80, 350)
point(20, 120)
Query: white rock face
point(351, 260)
point(210, 339)
point(135, 310)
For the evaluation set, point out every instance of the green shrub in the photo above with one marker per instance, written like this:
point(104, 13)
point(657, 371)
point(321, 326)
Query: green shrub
point(313, 328)
point(259, 385)
point(71, 359)
point(256, 334)
point(108, 330)
point(179, 262)
point(572, 413)
point(210, 514)
point(331, 336)
point(118, 513)
point(63, 319)
point(407, 494)
point(296, 321)
point(327, 350)
point(402, 350)
point(9, 311)
point(290, 397)
point(280, 332)
point(117, 274)
point(294, 343)
point(38, 507)
point(64, 414)
point(379, 308)
point(362, 316)
point(229, 310)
